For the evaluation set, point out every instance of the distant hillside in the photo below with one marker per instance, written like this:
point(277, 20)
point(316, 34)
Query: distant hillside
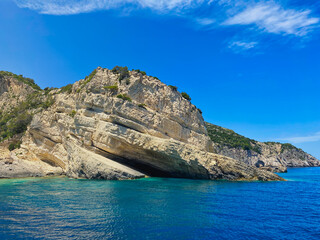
point(273, 155)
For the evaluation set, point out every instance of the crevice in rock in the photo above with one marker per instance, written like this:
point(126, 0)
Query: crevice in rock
point(123, 125)
point(42, 134)
point(50, 162)
point(132, 163)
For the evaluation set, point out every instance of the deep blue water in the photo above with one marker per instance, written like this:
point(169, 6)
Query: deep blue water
point(157, 208)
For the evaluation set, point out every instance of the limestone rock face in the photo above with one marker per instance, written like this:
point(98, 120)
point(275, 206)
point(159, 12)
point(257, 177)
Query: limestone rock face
point(12, 92)
point(107, 128)
point(11, 166)
point(272, 156)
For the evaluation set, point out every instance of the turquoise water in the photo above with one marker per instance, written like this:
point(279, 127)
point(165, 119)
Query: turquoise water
point(157, 208)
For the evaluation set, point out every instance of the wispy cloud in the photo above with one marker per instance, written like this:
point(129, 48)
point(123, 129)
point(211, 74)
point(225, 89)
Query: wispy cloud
point(256, 17)
point(272, 18)
point(69, 7)
point(268, 16)
point(311, 138)
point(205, 21)
point(240, 46)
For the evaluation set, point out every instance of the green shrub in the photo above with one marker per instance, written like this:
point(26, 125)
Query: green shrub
point(139, 71)
point(19, 124)
point(66, 89)
point(174, 88)
point(123, 71)
point(112, 87)
point(47, 90)
point(13, 146)
point(73, 113)
point(124, 97)
point(199, 110)
point(186, 96)
point(127, 81)
point(48, 103)
point(87, 79)
point(142, 105)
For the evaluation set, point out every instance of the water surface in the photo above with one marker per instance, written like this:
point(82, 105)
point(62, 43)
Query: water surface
point(157, 208)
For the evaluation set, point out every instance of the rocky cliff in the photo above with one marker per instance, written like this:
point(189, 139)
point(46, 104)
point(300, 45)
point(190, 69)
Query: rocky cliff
point(114, 124)
point(272, 156)
point(14, 89)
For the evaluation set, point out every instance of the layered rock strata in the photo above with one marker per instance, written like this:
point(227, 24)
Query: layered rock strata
point(112, 125)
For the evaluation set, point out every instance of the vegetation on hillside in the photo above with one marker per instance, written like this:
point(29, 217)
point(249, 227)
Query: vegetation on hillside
point(73, 113)
point(122, 71)
point(14, 145)
point(16, 120)
point(229, 138)
point(20, 78)
point(112, 87)
point(124, 97)
point(174, 88)
point(139, 71)
point(89, 78)
point(186, 96)
point(66, 89)
point(288, 146)
point(142, 105)
point(82, 84)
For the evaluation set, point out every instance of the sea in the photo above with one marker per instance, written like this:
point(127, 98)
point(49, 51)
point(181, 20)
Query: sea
point(161, 208)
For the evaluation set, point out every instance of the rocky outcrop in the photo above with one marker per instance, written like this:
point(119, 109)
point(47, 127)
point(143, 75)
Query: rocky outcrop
point(12, 91)
point(271, 156)
point(12, 166)
point(121, 125)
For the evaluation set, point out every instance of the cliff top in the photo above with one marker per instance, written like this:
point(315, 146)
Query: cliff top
point(30, 82)
point(227, 137)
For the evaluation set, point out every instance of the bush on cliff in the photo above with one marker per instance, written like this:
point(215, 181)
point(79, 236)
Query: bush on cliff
point(142, 105)
point(15, 145)
point(124, 97)
point(89, 78)
point(174, 88)
point(73, 113)
point(123, 71)
point(66, 89)
point(139, 71)
point(112, 87)
point(186, 96)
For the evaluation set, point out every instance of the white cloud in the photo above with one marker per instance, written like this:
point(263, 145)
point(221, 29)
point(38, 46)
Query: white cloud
point(268, 16)
point(69, 7)
point(205, 21)
point(168, 4)
point(312, 138)
point(272, 18)
point(239, 46)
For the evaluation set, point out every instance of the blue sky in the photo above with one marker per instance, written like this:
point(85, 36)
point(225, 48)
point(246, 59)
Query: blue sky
point(251, 66)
